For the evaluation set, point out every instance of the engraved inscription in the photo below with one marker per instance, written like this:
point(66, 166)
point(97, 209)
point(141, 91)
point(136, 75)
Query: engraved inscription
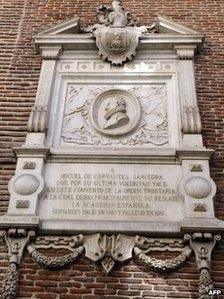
point(111, 195)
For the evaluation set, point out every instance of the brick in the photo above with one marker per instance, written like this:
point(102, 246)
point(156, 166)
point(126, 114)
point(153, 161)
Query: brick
point(19, 72)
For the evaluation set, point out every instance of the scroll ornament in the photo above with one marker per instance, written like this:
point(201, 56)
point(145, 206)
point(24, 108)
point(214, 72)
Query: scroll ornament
point(38, 119)
point(117, 34)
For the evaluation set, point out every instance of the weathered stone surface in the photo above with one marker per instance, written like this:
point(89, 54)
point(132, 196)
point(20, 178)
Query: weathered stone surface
point(111, 193)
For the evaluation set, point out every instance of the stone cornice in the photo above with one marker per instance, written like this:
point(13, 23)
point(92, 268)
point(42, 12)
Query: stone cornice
point(152, 156)
point(37, 152)
point(85, 41)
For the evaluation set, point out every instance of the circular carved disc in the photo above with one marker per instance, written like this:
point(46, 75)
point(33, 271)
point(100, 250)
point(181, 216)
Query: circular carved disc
point(198, 187)
point(26, 184)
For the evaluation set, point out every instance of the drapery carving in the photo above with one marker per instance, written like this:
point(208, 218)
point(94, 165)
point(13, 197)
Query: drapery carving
point(108, 250)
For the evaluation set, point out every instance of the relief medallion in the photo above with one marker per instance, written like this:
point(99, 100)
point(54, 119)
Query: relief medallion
point(115, 112)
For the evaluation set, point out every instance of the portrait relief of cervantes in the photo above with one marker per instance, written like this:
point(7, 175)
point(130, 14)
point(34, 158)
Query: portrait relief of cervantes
point(115, 112)
point(128, 115)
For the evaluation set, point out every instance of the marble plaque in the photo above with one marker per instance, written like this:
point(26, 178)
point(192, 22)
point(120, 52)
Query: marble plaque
point(111, 192)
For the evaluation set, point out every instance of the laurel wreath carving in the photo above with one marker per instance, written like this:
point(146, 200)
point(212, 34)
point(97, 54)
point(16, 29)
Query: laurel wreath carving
point(54, 263)
point(10, 283)
point(162, 265)
point(205, 284)
point(140, 247)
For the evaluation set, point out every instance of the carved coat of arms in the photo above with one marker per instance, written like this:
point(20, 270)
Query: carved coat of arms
point(117, 35)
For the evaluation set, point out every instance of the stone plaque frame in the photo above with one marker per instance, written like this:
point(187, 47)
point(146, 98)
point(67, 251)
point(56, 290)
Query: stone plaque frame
point(178, 168)
point(164, 58)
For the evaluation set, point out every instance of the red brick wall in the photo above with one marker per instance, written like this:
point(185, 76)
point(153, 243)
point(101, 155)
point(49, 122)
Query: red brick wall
point(19, 72)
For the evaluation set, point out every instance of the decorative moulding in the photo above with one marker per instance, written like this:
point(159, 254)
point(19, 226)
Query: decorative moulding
point(50, 52)
point(69, 36)
point(107, 250)
point(32, 151)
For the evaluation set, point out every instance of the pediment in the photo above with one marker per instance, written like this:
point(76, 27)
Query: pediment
point(69, 26)
point(165, 25)
point(68, 35)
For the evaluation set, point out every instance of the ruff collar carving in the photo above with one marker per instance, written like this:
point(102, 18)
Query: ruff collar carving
point(117, 34)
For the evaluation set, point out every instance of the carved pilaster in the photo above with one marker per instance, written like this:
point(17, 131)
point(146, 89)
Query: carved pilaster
point(203, 244)
point(38, 120)
point(191, 121)
point(16, 241)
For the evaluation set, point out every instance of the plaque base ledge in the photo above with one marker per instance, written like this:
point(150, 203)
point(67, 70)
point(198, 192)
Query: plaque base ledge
point(202, 225)
point(121, 155)
point(71, 227)
point(19, 221)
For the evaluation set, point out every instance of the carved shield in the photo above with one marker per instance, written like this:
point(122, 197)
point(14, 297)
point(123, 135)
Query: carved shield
point(117, 45)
